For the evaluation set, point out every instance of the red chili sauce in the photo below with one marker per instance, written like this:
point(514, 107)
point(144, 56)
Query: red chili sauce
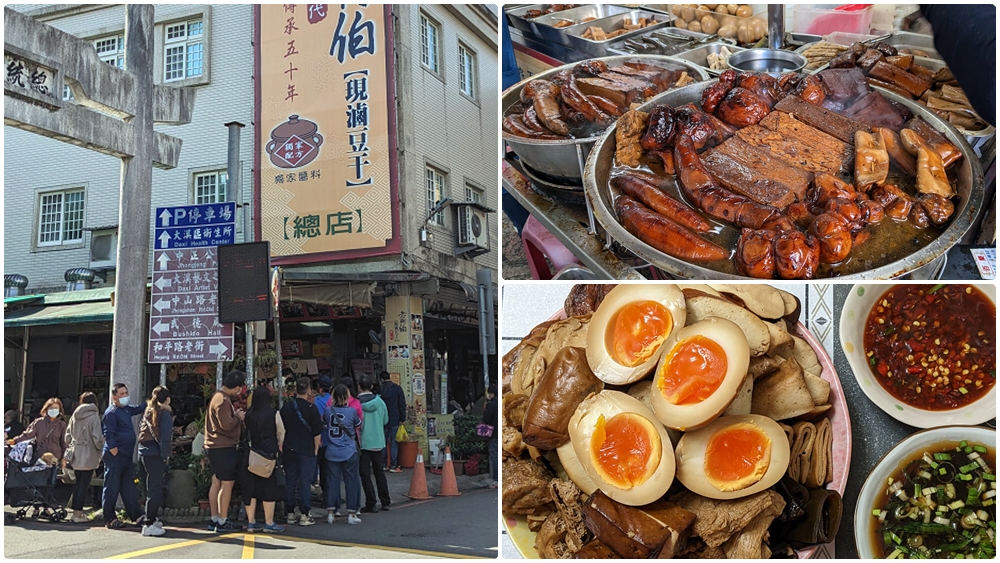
point(933, 346)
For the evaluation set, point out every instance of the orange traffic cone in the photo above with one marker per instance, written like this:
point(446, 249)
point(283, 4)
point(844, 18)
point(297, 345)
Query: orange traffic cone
point(418, 484)
point(449, 486)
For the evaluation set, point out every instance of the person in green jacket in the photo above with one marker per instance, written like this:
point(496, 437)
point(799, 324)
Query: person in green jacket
point(372, 443)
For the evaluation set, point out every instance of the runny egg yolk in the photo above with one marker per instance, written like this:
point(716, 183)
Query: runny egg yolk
point(694, 370)
point(737, 456)
point(625, 450)
point(639, 329)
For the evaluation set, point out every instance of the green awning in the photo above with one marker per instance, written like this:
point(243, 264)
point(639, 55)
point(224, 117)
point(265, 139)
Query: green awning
point(21, 299)
point(90, 312)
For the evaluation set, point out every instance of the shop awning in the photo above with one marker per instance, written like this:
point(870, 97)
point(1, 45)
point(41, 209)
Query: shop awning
point(92, 312)
point(70, 307)
point(336, 294)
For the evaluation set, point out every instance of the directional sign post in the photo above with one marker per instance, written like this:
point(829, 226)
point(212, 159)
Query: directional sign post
point(184, 315)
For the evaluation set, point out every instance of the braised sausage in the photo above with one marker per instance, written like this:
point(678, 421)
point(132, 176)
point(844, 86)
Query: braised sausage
point(531, 121)
point(697, 125)
point(755, 254)
point(711, 96)
point(514, 125)
point(664, 234)
point(544, 97)
point(667, 158)
point(653, 198)
point(606, 105)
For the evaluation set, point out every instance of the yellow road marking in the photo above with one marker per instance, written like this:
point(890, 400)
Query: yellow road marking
point(170, 546)
point(247, 546)
point(380, 547)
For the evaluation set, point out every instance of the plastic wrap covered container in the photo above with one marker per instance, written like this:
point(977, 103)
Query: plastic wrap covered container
point(823, 19)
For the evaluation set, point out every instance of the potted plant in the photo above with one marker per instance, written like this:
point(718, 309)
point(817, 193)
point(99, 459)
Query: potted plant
point(202, 479)
point(466, 443)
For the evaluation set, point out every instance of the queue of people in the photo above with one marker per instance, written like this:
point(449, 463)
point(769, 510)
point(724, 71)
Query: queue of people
point(343, 434)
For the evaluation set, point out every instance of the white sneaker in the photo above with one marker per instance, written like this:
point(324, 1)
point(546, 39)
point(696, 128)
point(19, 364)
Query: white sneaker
point(292, 519)
point(330, 518)
point(353, 519)
point(152, 531)
point(158, 523)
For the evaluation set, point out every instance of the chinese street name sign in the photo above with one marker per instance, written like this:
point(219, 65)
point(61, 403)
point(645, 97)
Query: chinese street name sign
point(184, 305)
point(325, 142)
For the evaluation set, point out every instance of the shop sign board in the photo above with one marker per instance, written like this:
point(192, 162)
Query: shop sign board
point(184, 304)
point(325, 147)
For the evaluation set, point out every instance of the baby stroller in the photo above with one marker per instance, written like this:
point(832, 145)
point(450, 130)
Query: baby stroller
point(28, 485)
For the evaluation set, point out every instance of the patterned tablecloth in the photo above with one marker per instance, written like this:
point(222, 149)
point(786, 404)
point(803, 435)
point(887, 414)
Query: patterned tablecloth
point(524, 305)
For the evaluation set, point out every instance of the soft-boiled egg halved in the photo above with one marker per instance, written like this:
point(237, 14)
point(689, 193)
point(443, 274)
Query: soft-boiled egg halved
point(627, 331)
point(701, 370)
point(733, 457)
point(624, 450)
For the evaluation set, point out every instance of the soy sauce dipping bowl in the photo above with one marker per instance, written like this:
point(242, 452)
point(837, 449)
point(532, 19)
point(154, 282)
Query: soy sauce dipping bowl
point(853, 317)
point(891, 463)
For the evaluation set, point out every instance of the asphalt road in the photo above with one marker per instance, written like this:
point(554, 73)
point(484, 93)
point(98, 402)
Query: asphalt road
point(463, 526)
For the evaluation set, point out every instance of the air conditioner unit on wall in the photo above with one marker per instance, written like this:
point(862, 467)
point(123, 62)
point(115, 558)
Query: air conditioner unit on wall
point(473, 227)
point(104, 248)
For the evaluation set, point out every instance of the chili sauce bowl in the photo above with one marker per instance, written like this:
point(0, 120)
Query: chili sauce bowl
point(853, 317)
point(890, 464)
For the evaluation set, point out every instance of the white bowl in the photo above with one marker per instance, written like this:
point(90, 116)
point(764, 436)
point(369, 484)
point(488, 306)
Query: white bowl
point(874, 486)
point(852, 326)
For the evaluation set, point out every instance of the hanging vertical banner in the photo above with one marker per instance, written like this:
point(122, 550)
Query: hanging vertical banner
point(325, 154)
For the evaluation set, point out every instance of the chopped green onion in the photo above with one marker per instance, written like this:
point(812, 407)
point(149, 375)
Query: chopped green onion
point(956, 505)
point(990, 477)
point(942, 457)
point(968, 467)
point(980, 449)
point(872, 360)
point(917, 490)
point(935, 288)
point(876, 512)
point(963, 443)
point(964, 477)
point(943, 471)
point(963, 391)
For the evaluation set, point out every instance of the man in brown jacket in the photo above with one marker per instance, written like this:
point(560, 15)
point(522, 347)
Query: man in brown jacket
point(222, 433)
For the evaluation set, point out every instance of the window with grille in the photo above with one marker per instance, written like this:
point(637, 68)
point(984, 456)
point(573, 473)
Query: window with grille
point(435, 193)
point(60, 217)
point(210, 187)
point(111, 50)
point(475, 195)
point(429, 40)
point(184, 50)
point(467, 71)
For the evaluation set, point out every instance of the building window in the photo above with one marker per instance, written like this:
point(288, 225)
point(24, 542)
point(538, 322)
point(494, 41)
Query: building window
point(111, 50)
point(467, 71)
point(60, 217)
point(430, 35)
point(184, 54)
point(475, 195)
point(435, 193)
point(210, 187)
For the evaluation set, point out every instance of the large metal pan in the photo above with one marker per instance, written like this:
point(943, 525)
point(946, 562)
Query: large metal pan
point(968, 171)
point(563, 159)
point(546, 25)
point(611, 24)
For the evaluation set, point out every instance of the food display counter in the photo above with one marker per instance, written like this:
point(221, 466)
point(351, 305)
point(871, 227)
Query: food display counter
point(887, 86)
point(830, 314)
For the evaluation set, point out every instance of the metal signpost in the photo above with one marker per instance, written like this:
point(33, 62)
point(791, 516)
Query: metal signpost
point(184, 305)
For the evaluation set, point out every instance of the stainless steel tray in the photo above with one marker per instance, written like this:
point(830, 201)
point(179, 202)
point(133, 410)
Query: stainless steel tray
point(564, 158)
point(546, 29)
point(610, 24)
point(517, 19)
point(699, 56)
point(600, 198)
point(666, 41)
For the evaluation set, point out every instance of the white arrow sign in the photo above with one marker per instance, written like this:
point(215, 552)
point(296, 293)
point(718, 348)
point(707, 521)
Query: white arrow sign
point(164, 282)
point(162, 305)
point(165, 218)
point(160, 327)
point(217, 349)
point(162, 261)
point(164, 239)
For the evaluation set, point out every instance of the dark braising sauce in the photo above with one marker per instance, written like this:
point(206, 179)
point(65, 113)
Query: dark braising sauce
point(933, 347)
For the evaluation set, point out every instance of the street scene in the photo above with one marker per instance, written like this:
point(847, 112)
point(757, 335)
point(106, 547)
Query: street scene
point(249, 296)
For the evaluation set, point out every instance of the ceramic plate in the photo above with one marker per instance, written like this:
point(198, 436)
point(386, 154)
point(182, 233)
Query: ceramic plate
point(890, 463)
point(840, 422)
point(852, 325)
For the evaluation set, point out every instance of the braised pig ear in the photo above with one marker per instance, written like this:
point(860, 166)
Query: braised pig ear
point(783, 394)
point(871, 160)
point(931, 177)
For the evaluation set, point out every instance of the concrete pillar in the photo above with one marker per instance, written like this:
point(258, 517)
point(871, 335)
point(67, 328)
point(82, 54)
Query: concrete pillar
point(129, 336)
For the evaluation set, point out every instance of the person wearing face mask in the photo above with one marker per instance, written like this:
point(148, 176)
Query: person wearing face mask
point(85, 440)
point(48, 430)
point(119, 444)
point(155, 431)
